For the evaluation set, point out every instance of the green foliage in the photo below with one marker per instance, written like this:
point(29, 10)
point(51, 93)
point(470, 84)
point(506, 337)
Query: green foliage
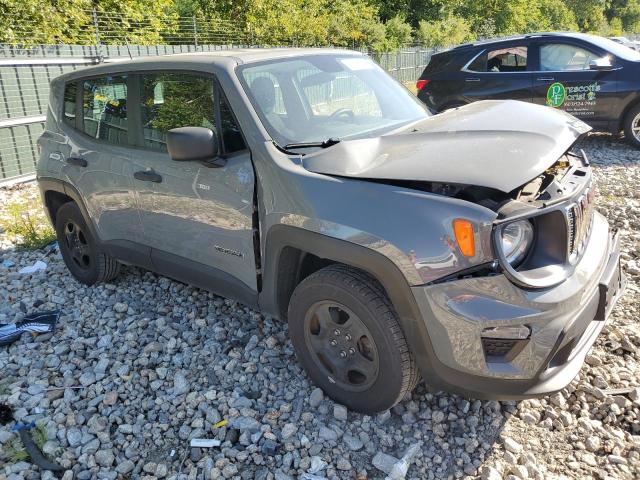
point(398, 32)
point(450, 31)
point(15, 451)
point(27, 225)
point(71, 21)
point(380, 24)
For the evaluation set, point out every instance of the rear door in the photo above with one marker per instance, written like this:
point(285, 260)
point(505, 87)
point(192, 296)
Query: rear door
point(196, 218)
point(499, 72)
point(564, 80)
point(97, 158)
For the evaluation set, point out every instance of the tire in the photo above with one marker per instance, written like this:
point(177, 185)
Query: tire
point(79, 249)
point(632, 118)
point(368, 367)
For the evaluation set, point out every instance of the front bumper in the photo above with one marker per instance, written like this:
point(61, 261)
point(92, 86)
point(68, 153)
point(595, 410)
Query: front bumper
point(564, 322)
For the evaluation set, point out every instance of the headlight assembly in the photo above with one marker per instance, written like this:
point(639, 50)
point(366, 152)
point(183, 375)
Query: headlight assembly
point(515, 240)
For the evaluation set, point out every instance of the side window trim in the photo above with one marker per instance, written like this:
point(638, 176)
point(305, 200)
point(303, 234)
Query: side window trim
point(216, 106)
point(79, 114)
point(220, 95)
point(134, 111)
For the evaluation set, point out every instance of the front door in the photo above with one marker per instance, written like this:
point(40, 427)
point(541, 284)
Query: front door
point(499, 74)
point(565, 81)
point(196, 218)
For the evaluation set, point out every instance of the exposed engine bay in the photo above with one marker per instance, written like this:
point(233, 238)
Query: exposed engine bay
point(533, 194)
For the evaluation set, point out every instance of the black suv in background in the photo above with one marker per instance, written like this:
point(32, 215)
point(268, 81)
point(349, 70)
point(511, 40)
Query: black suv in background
point(590, 77)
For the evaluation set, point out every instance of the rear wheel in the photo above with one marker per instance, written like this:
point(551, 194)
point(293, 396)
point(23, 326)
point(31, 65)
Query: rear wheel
point(79, 249)
point(632, 126)
point(347, 336)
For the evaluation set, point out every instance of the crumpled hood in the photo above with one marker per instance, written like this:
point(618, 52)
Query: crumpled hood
point(495, 144)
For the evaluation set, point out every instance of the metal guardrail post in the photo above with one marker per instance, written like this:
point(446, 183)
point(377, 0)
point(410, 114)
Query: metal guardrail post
point(98, 43)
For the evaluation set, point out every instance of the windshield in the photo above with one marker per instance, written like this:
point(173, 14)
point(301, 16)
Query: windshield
point(318, 97)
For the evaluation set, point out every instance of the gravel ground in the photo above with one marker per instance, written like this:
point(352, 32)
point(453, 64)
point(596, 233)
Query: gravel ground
point(159, 362)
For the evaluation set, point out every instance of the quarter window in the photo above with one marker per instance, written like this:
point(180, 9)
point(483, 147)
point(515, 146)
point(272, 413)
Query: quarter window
point(70, 98)
point(104, 108)
point(559, 57)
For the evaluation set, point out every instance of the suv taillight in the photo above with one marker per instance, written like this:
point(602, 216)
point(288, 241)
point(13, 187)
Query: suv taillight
point(420, 84)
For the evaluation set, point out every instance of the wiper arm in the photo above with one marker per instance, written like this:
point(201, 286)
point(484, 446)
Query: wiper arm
point(329, 142)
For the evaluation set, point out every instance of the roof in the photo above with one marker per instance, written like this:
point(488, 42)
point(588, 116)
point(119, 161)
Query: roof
point(242, 55)
point(223, 58)
point(489, 41)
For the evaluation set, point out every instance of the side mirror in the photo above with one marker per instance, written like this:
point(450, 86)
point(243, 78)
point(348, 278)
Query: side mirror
point(192, 143)
point(603, 63)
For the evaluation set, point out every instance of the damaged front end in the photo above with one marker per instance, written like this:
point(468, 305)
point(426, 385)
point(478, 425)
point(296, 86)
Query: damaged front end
point(557, 206)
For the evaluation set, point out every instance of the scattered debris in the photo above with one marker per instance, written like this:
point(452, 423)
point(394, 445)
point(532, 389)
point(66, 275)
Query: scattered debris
point(205, 442)
point(33, 450)
point(36, 323)
point(8, 263)
point(401, 467)
point(36, 267)
point(384, 462)
point(221, 423)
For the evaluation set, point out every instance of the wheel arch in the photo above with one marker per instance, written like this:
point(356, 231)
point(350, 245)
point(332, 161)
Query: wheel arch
point(286, 250)
point(623, 116)
point(55, 193)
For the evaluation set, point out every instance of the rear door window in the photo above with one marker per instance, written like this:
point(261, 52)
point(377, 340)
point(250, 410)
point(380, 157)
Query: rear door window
point(509, 59)
point(104, 108)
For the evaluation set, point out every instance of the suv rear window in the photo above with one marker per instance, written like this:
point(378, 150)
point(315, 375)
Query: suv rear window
point(104, 108)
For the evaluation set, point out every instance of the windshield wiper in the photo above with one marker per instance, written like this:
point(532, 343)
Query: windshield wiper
point(329, 142)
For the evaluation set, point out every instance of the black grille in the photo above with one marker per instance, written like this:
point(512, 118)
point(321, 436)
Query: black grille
point(579, 219)
point(571, 229)
point(495, 347)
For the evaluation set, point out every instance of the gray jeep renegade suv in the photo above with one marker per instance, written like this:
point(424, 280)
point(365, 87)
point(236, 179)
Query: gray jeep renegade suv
point(463, 248)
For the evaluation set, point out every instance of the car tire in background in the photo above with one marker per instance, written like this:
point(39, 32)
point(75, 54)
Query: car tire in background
point(347, 336)
point(631, 123)
point(79, 249)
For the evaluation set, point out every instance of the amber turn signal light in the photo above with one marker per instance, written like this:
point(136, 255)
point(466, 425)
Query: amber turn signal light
point(463, 230)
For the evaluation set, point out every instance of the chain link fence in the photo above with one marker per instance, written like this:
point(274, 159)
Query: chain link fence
point(27, 67)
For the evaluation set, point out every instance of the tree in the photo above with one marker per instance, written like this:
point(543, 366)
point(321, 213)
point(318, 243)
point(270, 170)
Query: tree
point(450, 31)
point(398, 32)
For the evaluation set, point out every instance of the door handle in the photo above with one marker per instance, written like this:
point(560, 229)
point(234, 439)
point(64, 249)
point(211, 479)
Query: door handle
point(77, 161)
point(472, 79)
point(147, 176)
point(545, 79)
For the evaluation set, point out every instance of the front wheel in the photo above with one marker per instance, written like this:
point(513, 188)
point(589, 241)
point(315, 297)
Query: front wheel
point(632, 126)
point(347, 336)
